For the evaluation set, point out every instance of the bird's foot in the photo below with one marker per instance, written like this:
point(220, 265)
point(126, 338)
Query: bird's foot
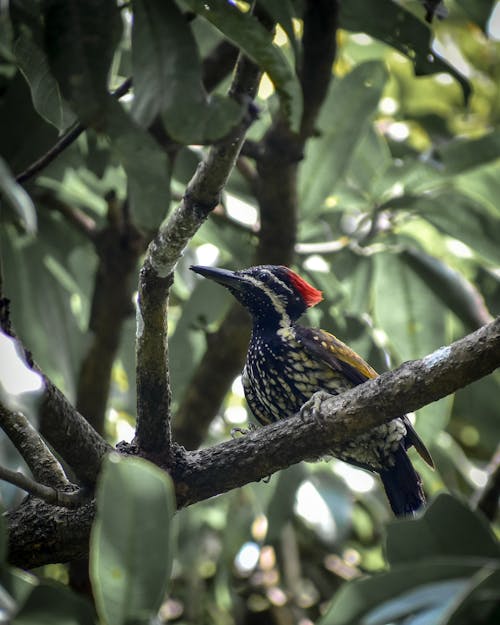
point(311, 410)
point(242, 431)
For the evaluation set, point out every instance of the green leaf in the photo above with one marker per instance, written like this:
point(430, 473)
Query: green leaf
point(47, 98)
point(451, 287)
point(391, 23)
point(406, 590)
point(15, 589)
point(247, 33)
point(188, 341)
point(433, 535)
point(167, 77)
point(463, 218)
point(80, 39)
point(282, 12)
point(478, 10)
point(146, 166)
point(462, 154)
point(17, 198)
point(131, 546)
point(280, 508)
point(55, 604)
point(344, 121)
point(474, 410)
point(41, 303)
point(481, 599)
point(406, 309)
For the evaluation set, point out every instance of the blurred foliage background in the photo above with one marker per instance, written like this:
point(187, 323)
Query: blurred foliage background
point(399, 225)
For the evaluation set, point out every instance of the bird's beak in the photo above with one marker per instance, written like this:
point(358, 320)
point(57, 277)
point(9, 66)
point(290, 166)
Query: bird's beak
point(221, 276)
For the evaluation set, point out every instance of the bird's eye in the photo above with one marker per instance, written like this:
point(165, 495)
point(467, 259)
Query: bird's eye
point(264, 276)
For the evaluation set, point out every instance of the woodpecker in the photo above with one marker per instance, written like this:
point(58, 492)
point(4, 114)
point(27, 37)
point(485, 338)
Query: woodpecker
point(287, 363)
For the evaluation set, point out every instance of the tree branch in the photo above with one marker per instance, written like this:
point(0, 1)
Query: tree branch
point(409, 387)
point(42, 463)
point(72, 437)
point(78, 218)
point(202, 474)
point(46, 493)
point(156, 277)
point(70, 434)
point(118, 246)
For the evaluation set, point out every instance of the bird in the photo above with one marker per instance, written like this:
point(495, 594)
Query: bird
point(287, 363)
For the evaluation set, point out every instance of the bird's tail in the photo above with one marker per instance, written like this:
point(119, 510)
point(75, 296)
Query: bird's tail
point(403, 485)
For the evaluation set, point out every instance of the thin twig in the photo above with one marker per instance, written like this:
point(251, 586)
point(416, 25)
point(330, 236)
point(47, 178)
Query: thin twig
point(47, 493)
point(69, 137)
point(44, 466)
point(82, 222)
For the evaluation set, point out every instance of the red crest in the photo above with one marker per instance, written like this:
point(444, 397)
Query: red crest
point(310, 294)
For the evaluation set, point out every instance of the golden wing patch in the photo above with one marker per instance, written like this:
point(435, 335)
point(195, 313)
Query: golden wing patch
point(337, 355)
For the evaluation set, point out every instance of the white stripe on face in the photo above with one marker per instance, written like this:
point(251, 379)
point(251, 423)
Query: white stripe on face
point(277, 302)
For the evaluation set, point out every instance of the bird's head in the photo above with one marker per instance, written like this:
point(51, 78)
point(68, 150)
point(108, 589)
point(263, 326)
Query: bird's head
point(273, 294)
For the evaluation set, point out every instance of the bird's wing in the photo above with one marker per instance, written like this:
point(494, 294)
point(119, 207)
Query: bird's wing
point(339, 357)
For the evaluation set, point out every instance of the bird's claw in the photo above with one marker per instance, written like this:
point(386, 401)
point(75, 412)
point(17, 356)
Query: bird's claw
point(311, 410)
point(235, 431)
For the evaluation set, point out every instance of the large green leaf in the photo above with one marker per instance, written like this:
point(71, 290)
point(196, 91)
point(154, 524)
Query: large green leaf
point(80, 39)
point(391, 23)
point(437, 562)
point(406, 309)
point(410, 589)
point(55, 604)
point(245, 31)
point(462, 154)
point(344, 121)
point(43, 282)
point(188, 341)
point(451, 287)
point(146, 166)
point(21, 120)
point(17, 198)
point(131, 546)
point(15, 588)
point(463, 218)
point(433, 536)
point(475, 411)
point(167, 77)
point(47, 98)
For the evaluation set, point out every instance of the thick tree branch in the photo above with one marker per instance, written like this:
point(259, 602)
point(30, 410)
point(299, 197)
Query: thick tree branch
point(156, 277)
point(71, 436)
point(42, 463)
point(202, 474)
point(409, 387)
